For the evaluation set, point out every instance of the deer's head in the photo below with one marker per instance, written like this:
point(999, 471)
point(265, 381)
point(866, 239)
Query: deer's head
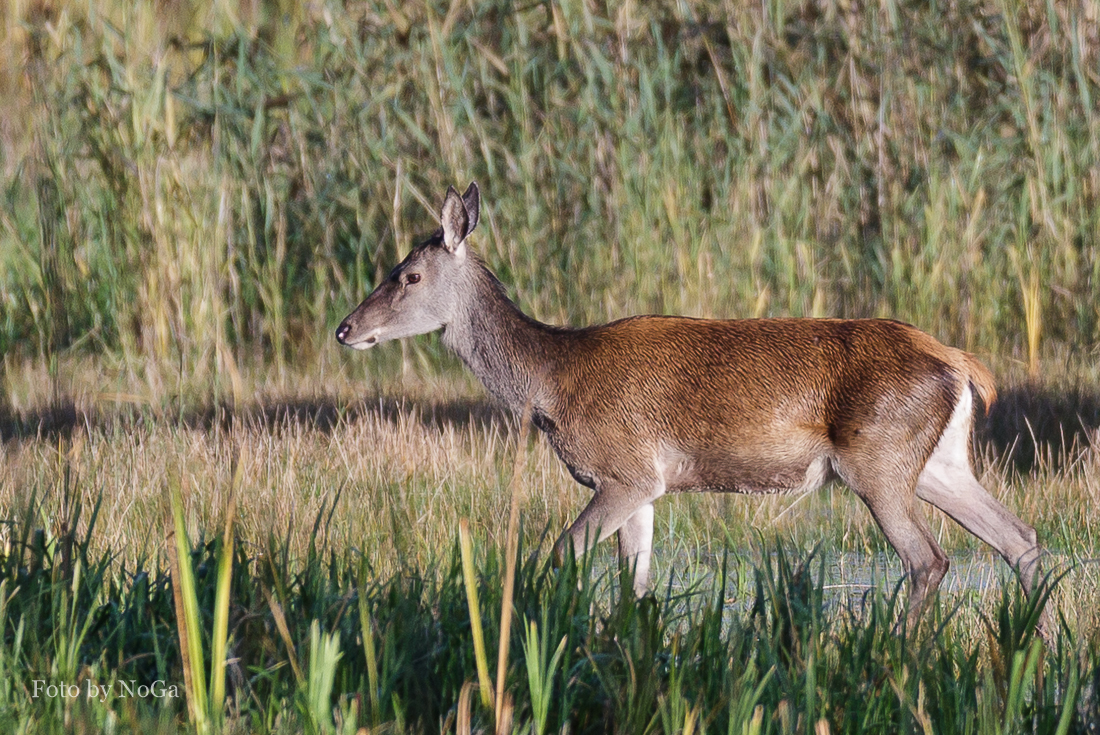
point(420, 294)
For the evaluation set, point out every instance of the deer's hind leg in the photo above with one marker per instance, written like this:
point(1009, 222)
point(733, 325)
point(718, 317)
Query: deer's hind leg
point(948, 483)
point(884, 476)
point(894, 508)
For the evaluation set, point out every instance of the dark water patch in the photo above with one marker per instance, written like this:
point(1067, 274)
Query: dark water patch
point(1032, 423)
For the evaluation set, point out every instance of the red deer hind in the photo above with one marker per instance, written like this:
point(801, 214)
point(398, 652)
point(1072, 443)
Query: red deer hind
point(652, 405)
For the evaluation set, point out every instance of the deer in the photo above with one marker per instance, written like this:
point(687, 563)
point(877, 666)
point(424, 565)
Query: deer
point(653, 405)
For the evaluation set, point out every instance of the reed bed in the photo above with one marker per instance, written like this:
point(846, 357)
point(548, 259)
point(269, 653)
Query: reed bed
point(195, 188)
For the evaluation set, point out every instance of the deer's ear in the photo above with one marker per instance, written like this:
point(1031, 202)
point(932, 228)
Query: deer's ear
point(456, 222)
point(472, 200)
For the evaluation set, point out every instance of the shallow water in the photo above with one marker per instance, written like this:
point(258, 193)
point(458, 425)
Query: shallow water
point(976, 571)
point(848, 576)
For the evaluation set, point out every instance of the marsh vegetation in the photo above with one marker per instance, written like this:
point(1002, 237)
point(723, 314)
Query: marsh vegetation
point(194, 194)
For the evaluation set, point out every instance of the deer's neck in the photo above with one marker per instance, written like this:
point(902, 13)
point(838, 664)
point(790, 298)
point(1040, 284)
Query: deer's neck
point(507, 350)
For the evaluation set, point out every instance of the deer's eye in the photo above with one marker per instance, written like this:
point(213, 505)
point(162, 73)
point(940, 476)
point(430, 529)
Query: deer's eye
point(412, 278)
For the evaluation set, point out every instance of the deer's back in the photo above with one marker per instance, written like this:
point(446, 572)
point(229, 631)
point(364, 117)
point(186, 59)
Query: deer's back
point(742, 405)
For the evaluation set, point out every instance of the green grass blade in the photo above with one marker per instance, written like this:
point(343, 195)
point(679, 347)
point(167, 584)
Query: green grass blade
point(220, 642)
point(367, 631)
point(190, 632)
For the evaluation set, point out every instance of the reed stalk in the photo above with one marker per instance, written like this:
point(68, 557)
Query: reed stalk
point(469, 578)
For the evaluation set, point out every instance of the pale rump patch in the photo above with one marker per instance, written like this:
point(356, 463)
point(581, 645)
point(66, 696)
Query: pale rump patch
point(951, 457)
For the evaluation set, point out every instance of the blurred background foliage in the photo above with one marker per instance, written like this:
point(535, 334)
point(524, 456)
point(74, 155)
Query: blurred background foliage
point(194, 186)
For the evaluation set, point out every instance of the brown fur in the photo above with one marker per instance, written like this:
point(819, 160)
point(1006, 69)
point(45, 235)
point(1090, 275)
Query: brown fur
point(757, 399)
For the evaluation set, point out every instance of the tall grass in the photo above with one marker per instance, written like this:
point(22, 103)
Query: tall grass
point(195, 187)
point(790, 658)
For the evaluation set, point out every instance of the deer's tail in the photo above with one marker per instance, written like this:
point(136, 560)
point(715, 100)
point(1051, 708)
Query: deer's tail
point(981, 380)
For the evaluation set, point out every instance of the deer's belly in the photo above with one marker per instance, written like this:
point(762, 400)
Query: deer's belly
point(740, 472)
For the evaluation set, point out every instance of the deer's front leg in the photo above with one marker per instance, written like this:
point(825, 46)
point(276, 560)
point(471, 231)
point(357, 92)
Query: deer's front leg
point(636, 546)
point(621, 509)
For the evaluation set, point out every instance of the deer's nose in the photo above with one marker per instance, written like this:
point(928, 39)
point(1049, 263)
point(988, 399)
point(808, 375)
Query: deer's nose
point(342, 333)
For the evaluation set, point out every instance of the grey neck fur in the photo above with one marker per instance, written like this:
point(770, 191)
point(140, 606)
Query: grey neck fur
point(506, 349)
